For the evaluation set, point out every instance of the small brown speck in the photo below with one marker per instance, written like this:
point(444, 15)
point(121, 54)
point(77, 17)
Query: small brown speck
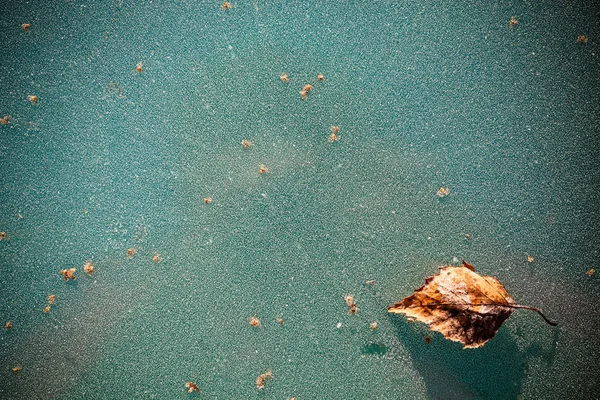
point(284, 77)
point(33, 99)
point(582, 39)
point(192, 387)
point(590, 272)
point(26, 27)
point(139, 67)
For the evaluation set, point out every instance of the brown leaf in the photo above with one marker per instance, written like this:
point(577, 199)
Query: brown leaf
point(462, 305)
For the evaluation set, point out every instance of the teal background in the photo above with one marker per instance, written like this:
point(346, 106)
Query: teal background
point(427, 94)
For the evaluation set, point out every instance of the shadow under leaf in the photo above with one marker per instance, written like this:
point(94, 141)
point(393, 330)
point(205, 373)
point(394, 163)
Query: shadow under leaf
point(495, 371)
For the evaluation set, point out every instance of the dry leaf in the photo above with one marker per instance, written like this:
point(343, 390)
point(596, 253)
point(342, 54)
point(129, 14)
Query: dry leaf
point(462, 305)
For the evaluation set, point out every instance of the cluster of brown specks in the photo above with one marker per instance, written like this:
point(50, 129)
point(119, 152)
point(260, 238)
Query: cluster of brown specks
point(51, 300)
point(352, 309)
point(261, 379)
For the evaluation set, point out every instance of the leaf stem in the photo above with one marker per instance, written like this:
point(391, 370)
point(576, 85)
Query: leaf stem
point(537, 310)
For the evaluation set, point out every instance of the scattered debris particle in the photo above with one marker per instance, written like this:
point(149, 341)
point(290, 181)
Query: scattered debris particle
point(26, 27)
point(254, 321)
point(260, 380)
point(428, 339)
point(246, 143)
point(192, 387)
point(513, 21)
point(17, 369)
point(208, 200)
point(131, 252)
point(51, 299)
point(5, 120)
point(320, 77)
point(590, 272)
point(443, 192)
point(139, 67)
point(280, 320)
point(467, 236)
point(530, 258)
point(305, 90)
point(263, 169)
point(156, 258)
point(2, 235)
point(370, 282)
point(352, 309)
point(227, 5)
point(68, 273)
point(8, 325)
point(33, 99)
point(284, 77)
point(333, 137)
point(339, 325)
point(47, 309)
point(373, 325)
point(88, 267)
point(582, 39)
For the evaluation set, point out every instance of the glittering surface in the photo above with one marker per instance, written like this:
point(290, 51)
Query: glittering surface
point(426, 96)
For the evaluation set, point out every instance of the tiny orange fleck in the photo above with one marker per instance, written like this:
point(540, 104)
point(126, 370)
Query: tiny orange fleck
point(5, 120)
point(304, 94)
point(308, 87)
point(263, 169)
point(246, 143)
point(443, 192)
point(254, 321)
point(260, 380)
point(139, 67)
point(582, 39)
point(2, 235)
point(208, 200)
point(284, 77)
point(156, 257)
point(26, 27)
point(320, 77)
point(227, 5)
point(333, 136)
point(33, 99)
point(280, 320)
point(88, 267)
point(17, 369)
point(131, 252)
point(349, 300)
point(51, 299)
point(513, 21)
point(47, 309)
point(68, 273)
point(373, 325)
point(530, 258)
point(590, 272)
point(192, 387)
point(8, 325)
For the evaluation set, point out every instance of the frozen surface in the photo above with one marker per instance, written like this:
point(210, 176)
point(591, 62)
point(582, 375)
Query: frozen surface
point(426, 95)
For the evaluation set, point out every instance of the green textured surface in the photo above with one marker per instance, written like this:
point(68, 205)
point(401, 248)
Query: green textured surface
point(426, 95)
